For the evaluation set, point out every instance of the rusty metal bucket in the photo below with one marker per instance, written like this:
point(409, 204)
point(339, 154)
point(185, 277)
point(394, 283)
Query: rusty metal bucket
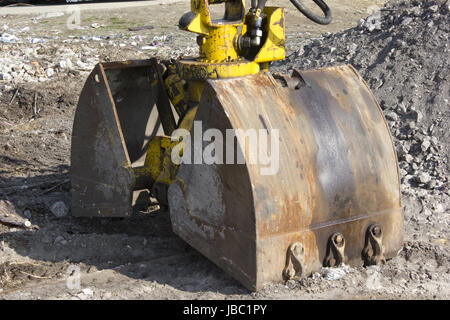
point(334, 196)
point(115, 119)
point(334, 199)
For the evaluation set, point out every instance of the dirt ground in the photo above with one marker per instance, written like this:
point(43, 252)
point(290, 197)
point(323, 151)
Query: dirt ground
point(41, 75)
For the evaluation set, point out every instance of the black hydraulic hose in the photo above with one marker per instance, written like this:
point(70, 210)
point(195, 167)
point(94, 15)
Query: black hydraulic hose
point(261, 4)
point(311, 15)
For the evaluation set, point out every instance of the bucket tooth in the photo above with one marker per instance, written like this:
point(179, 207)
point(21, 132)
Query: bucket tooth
point(336, 174)
point(115, 119)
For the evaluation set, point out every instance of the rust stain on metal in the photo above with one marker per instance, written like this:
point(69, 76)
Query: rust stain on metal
point(109, 136)
point(337, 172)
point(280, 22)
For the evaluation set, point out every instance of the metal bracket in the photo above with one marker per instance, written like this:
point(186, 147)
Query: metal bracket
point(295, 261)
point(159, 190)
point(294, 82)
point(373, 252)
point(335, 251)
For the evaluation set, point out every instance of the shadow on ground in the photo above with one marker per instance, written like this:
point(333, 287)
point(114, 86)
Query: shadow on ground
point(140, 247)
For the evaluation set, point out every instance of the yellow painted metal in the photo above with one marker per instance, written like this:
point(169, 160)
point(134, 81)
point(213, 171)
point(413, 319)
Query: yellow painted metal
point(202, 23)
point(198, 26)
point(219, 53)
point(168, 168)
point(152, 165)
point(219, 44)
point(195, 90)
point(157, 161)
point(273, 48)
point(199, 70)
point(219, 56)
point(188, 119)
point(175, 87)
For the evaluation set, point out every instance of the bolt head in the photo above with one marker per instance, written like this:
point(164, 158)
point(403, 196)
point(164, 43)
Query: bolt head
point(376, 230)
point(290, 273)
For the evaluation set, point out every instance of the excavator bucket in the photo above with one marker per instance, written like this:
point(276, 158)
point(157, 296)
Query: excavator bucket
point(115, 119)
point(326, 193)
point(280, 175)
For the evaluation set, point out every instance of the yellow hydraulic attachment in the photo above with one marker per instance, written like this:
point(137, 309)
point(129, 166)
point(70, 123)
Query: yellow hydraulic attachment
point(238, 45)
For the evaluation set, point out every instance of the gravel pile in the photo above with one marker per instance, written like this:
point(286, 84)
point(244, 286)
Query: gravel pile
point(402, 51)
point(25, 59)
point(39, 63)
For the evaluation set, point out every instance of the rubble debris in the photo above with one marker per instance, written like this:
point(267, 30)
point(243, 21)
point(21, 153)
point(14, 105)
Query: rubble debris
point(36, 40)
point(87, 291)
point(149, 48)
point(8, 38)
point(335, 273)
point(141, 28)
point(60, 240)
point(406, 63)
point(59, 209)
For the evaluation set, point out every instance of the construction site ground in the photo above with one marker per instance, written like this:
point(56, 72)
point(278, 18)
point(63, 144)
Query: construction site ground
point(45, 58)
